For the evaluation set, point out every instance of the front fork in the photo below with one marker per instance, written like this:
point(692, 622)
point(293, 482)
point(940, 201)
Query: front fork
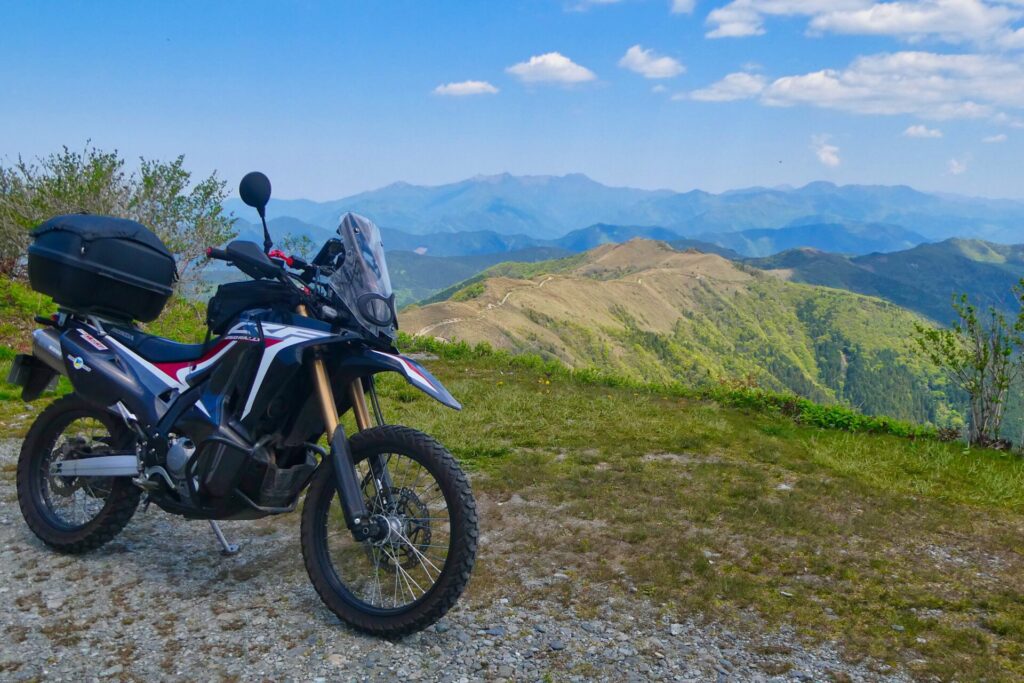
point(357, 517)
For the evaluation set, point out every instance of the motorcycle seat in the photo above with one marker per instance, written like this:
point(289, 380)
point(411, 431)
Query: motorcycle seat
point(159, 349)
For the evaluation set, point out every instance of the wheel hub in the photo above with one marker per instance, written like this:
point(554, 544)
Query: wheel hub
point(408, 529)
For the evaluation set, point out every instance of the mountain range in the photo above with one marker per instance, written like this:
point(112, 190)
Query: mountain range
point(549, 207)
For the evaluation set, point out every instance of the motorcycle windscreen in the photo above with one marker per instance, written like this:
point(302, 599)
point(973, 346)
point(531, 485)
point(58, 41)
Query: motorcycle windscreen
point(362, 281)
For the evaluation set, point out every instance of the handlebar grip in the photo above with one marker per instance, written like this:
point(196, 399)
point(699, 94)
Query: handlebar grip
point(214, 253)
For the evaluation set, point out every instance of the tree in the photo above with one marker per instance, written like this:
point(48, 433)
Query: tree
point(187, 217)
point(982, 355)
point(299, 245)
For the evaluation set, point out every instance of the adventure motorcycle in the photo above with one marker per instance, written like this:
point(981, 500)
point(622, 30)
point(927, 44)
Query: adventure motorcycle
point(240, 426)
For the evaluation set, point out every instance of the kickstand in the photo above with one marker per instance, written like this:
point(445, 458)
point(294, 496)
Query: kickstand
point(227, 548)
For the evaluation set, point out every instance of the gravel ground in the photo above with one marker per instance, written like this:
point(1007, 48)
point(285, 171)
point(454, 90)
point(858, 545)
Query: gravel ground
point(160, 603)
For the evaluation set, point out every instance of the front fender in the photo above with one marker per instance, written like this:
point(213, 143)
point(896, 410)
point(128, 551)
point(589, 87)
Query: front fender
point(369, 361)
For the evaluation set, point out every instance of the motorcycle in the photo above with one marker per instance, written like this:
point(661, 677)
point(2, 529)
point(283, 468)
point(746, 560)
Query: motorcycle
point(242, 425)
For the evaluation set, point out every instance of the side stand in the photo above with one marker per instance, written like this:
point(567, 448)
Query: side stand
point(227, 548)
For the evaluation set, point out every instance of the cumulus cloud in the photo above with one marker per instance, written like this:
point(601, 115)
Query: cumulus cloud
point(683, 6)
point(920, 131)
point(552, 67)
point(650, 65)
point(735, 86)
point(951, 20)
point(930, 85)
point(956, 167)
point(463, 88)
point(741, 18)
point(994, 139)
point(827, 153)
point(980, 21)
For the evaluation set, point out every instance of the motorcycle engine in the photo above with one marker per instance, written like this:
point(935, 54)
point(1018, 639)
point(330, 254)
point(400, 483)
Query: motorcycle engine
point(181, 449)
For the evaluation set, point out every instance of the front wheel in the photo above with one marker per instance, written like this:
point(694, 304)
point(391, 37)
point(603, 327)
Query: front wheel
point(409, 579)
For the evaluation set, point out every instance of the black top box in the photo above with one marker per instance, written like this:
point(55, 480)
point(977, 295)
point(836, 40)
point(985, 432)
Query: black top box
point(110, 267)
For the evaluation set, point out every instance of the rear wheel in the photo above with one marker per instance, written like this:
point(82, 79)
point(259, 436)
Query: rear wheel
point(74, 514)
point(409, 579)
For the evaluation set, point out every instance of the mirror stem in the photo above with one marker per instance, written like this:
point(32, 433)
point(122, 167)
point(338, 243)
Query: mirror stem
point(267, 242)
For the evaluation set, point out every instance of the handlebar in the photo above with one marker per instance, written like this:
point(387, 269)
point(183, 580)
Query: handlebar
point(218, 254)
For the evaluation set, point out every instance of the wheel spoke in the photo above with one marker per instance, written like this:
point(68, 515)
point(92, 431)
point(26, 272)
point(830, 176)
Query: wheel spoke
point(416, 547)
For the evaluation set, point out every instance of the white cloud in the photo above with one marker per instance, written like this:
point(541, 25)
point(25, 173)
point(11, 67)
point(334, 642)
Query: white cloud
point(735, 86)
point(956, 167)
point(463, 88)
point(659, 88)
point(649, 65)
point(936, 86)
point(951, 20)
point(925, 84)
point(827, 153)
point(981, 21)
point(994, 139)
point(920, 131)
point(683, 6)
point(741, 18)
point(552, 67)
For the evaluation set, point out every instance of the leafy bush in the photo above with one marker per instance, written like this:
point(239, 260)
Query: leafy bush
point(187, 215)
point(468, 292)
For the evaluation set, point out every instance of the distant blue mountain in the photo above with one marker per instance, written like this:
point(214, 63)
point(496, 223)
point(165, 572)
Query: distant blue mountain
point(839, 238)
point(550, 207)
point(847, 238)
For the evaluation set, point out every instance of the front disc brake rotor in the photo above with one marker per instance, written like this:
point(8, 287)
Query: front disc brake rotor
point(410, 533)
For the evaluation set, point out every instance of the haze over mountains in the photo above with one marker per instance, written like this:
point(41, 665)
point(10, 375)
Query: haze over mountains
point(439, 236)
point(549, 207)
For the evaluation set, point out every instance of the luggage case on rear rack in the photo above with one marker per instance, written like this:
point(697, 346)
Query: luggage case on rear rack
point(111, 267)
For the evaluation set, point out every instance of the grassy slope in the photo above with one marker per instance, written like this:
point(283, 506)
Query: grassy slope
point(907, 550)
point(697, 319)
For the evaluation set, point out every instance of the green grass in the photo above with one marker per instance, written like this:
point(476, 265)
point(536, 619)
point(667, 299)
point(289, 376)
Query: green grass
point(719, 504)
point(715, 510)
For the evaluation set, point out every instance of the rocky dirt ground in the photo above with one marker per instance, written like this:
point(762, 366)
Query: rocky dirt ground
point(161, 603)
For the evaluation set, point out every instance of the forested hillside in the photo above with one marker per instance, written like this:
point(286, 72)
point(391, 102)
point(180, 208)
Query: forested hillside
point(923, 279)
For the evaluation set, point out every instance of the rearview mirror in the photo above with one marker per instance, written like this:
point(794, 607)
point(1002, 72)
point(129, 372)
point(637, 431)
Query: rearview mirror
point(255, 191)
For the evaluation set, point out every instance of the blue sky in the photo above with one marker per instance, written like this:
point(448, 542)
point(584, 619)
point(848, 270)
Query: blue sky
point(337, 97)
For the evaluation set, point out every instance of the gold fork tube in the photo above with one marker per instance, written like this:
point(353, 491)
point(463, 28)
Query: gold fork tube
point(327, 405)
point(357, 397)
point(322, 386)
point(323, 390)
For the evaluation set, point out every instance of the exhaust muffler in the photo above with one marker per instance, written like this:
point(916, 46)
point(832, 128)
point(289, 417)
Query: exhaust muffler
point(46, 347)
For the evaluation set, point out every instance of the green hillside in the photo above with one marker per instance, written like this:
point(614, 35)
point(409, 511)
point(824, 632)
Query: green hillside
point(922, 279)
point(646, 311)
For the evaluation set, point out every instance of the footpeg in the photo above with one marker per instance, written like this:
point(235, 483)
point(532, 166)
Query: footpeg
point(227, 549)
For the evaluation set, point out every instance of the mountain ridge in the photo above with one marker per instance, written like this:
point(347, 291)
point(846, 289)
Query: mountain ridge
point(550, 206)
point(644, 309)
